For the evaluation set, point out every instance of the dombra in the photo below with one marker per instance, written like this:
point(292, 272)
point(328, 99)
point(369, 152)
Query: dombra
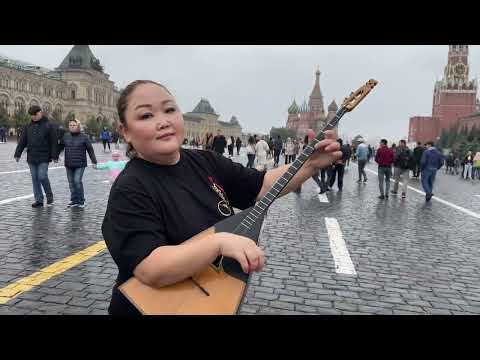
point(219, 289)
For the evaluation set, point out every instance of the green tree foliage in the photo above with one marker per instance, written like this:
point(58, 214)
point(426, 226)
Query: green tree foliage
point(56, 117)
point(283, 132)
point(19, 120)
point(92, 127)
point(443, 142)
point(4, 118)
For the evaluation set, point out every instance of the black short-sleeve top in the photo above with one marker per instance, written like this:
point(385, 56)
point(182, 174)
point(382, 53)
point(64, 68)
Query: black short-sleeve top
point(152, 205)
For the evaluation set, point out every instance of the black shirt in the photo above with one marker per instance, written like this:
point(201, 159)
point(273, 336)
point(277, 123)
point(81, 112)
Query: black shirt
point(154, 205)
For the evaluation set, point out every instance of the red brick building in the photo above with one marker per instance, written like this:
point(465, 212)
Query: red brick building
point(454, 97)
point(470, 121)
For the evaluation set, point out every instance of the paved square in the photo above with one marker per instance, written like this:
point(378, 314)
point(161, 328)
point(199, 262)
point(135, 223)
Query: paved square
point(408, 257)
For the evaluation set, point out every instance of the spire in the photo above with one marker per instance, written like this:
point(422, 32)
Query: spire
point(333, 107)
point(316, 93)
point(80, 57)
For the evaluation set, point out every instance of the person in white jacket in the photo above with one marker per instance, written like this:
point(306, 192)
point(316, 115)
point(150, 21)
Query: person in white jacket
point(289, 151)
point(261, 151)
point(250, 151)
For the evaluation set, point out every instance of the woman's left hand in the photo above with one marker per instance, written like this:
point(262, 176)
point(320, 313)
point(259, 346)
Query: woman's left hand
point(326, 151)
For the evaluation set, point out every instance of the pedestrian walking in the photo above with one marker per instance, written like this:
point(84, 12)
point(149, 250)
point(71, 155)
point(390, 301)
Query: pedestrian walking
point(219, 143)
point(338, 168)
point(230, 145)
point(238, 144)
point(261, 152)
point(362, 158)
point(106, 139)
point(3, 135)
point(289, 151)
point(417, 154)
point(76, 146)
point(116, 139)
point(384, 159)
point(277, 149)
point(432, 160)
point(347, 164)
point(40, 139)
point(476, 165)
point(251, 152)
point(456, 163)
point(468, 161)
point(403, 163)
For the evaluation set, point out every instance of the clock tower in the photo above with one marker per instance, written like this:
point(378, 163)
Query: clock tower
point(456, 70)
point(455, 95)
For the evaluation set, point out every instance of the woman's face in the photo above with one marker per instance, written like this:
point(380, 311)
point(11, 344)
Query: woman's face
point(154, 124)
point(73, 127)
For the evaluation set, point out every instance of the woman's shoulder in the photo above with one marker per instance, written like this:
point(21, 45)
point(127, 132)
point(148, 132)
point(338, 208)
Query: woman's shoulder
point(133, 176)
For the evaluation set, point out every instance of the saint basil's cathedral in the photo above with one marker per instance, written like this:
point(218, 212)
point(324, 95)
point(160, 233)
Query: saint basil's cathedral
point(310, 115)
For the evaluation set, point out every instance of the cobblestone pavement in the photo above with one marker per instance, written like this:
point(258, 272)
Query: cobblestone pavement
point(409, 257)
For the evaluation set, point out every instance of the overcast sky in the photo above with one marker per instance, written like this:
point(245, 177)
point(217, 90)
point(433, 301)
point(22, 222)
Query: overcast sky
point(258, 83)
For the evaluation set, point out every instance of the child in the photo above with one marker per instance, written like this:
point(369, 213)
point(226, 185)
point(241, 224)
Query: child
point(115, 165)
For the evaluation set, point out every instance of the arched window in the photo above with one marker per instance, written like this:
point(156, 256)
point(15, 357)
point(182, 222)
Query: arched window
point(17, 85)
point(4, 101)
point(47, 108)
point(19, 105)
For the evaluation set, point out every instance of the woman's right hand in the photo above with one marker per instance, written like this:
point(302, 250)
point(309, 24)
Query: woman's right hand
point(242, 249)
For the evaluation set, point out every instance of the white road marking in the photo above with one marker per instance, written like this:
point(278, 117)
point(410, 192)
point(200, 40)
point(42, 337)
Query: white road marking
point(436, 198)
point(28, 170)
point(323, 198)
point(6, 201)
point(106, 181)
point(341, 256)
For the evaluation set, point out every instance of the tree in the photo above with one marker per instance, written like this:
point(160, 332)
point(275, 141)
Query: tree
point(4, 118)
point(443, 142)
point(56, 117)
point(92, 127)
point(20, 119)
point(283, 132)
point(472, 133)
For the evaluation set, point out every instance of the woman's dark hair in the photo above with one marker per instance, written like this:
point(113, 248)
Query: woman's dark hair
point(122, 105)
point(251, 140)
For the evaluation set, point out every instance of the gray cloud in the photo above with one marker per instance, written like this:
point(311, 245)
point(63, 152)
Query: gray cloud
point(258, 83)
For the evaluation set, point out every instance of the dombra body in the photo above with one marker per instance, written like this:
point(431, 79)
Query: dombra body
point(219, 288)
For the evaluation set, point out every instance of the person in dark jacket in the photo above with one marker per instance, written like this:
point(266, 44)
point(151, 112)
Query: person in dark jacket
point(106, 139)
point(339, 167)
point(76, 146)
point(219, 143)
point(384, 159)
point(432, 160)
point(238, 143)
point(40, 139)
point(417, 154)
point(277, 149)
point(402, 164)
point(3, 136)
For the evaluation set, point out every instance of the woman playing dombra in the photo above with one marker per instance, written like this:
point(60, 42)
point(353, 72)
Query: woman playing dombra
point(167, 194)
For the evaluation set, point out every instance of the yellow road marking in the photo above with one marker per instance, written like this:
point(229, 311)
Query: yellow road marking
point(27, 283)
